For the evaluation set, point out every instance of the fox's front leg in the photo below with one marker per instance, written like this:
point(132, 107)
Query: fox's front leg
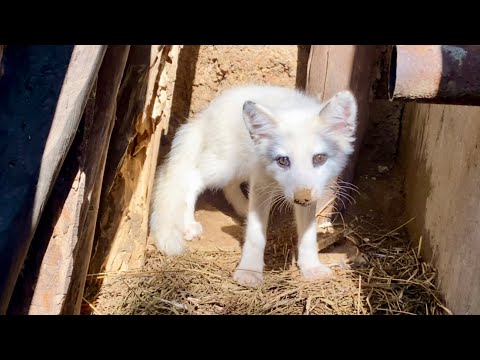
point(308, 260)
point(249, 272)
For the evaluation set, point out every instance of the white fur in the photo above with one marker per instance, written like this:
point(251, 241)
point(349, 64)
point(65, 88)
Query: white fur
point(238, 138)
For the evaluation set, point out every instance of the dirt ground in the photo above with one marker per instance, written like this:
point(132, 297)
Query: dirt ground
point(201, 283)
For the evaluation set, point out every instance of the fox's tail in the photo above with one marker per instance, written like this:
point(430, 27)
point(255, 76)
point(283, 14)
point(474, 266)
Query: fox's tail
point(171, 188)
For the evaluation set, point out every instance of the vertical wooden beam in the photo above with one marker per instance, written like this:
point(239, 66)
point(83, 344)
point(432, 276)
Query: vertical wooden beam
point(58, 260)
point(109, 79)
point(122, 227)
point(332, 68)
point(30, 189)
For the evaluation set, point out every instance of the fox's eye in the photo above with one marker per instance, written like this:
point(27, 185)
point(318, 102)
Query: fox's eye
point(319, 159)
point(283, 161)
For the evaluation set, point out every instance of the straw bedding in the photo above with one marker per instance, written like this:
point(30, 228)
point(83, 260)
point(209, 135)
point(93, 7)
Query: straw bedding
point(385, 275)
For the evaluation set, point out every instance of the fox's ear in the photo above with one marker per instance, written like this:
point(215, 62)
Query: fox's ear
point(259, 121)
point(340, 113)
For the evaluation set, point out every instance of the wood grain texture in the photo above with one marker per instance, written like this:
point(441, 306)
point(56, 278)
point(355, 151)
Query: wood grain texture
point(333, 68)
point(61, 248)
point(440, 155)
point(131, 102)
point(34, 181)
point(122, 230)
point(109, 79)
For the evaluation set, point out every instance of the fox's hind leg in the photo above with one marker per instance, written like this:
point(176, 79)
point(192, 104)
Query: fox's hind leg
point(193, 230)
point(234, 195)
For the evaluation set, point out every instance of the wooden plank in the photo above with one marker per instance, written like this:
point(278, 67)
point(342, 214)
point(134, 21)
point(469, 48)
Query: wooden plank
point(440, 157)
point(109, 80)
point(131, 239)
point(317, 71)
point(122, 233)
point(131, 102)
point(333, 68)
point(39, 271)
point(61, 278)
point(30, 186)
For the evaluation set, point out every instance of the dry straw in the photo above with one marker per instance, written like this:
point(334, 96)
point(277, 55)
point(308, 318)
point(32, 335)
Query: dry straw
point(386, 276)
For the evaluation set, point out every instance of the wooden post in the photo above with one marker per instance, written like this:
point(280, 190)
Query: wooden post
point(122, 227)
point(332, 68)
point(58, 260)
point(131, 102)
point(32, 188)
point(109, 79)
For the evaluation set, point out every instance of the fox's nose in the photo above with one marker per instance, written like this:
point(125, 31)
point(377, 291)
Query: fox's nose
point(303, 196)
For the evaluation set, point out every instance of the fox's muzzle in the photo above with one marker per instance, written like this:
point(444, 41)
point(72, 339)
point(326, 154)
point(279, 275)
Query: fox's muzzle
point(303, 197)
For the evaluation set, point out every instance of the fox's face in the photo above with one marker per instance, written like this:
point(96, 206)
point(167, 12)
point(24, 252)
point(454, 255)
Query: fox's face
point(304, 149)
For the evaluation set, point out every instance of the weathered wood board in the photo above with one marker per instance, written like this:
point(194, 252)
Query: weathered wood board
point(332, 68)
point(122, 228)
point(44, 92)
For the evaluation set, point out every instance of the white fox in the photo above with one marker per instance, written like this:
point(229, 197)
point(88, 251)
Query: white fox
point(284, 143)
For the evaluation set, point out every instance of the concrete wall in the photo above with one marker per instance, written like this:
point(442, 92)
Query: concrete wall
point(440, 152)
